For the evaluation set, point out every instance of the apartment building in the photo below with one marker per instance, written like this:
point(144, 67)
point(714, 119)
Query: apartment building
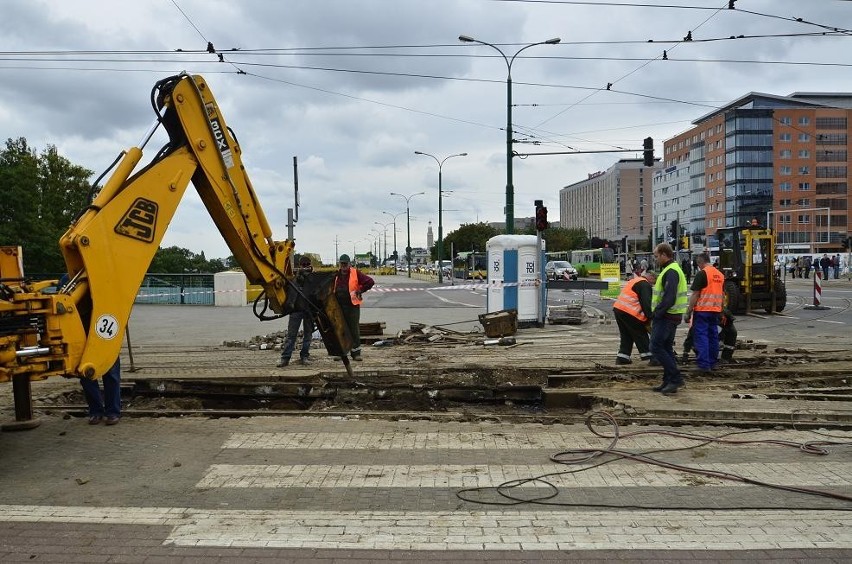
point(611, 204)
point(782, 160)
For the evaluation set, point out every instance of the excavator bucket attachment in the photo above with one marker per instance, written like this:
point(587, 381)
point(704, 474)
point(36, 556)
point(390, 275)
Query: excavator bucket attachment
point(319, 291)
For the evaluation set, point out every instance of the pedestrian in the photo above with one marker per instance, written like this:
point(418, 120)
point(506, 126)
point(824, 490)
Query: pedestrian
point(704, 310)
point(686, 266)
point(668, 305)
point(300, 317)
point(632, 311)
point(106, 407)
point(824, 263)
point(349, 285)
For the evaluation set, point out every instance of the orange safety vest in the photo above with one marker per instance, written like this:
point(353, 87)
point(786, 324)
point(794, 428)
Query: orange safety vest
point(354, 287)
point(628, 300)
point(711, 296)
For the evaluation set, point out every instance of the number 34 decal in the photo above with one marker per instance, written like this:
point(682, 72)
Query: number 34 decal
point(107, 327)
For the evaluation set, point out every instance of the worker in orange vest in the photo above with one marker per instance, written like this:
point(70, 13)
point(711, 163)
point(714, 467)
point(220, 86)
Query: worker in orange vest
point(632, 311)
point(705, 310)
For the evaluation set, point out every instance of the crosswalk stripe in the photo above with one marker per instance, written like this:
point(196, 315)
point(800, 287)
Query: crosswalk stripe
point(505, 529)
point(497, 440)
point(492, 475)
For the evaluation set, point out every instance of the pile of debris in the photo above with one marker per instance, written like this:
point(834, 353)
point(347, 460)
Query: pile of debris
point(496, 331)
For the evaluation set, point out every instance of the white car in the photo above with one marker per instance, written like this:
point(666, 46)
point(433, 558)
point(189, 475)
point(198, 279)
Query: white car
point(560, 270)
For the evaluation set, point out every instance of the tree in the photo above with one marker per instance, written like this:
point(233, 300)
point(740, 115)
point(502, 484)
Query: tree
point(42, 194)
point(177, 260)
point(465, 238)
point(561, 239)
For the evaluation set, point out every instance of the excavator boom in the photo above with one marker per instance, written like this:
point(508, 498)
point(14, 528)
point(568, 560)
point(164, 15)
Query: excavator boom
point(77, 331)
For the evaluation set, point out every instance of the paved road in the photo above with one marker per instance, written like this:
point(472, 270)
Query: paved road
point(319, 490)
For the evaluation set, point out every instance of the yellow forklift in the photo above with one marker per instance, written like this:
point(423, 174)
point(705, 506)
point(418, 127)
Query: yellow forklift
point(747, 259)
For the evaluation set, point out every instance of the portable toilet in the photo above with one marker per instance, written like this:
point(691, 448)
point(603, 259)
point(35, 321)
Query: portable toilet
point(516, 276)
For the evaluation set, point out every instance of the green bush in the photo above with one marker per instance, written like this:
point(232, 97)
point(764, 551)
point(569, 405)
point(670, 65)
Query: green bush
point(582, 272)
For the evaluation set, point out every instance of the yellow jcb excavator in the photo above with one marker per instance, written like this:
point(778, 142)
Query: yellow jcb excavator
point(77, 330)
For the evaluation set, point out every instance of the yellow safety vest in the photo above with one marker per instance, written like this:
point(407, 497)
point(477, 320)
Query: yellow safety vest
point(682, 301)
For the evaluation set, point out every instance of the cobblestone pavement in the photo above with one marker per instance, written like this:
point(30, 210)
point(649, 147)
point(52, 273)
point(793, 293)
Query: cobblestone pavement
point(309, 489)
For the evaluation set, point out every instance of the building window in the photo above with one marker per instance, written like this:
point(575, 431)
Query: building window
point(804, 137)
point(831, 123)
point(803, 218)
point(785, 137)
point(785, 171)
point(804, 170)
point(785, 120)
point(804, 154)
point(785, 203)
point(804, 120)
point(831, 171)
point(831, 139)
point(805, 202)
point(785, 187)
point(784, 218)
point(804, 186)
point(785, 154)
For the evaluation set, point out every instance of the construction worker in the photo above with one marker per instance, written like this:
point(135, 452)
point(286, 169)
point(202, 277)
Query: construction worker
point(632, 311)
point(668, 304)
point(706, 302)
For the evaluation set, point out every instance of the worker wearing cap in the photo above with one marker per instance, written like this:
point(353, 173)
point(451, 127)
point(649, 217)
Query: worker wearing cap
point(349, 285)
point(299, 317)
point(632, 311)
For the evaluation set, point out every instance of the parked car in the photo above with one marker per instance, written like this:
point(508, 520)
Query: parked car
point(560, 270)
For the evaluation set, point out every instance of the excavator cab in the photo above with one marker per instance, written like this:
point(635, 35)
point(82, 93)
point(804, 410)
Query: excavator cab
point(747, 259)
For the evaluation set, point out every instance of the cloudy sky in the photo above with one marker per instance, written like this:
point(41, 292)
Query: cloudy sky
point(354, 87)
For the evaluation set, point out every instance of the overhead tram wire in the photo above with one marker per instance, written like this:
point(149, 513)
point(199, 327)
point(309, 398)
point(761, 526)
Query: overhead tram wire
point(344, 50)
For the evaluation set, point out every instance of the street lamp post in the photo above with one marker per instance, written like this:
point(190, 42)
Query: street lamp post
point(510, 188)
point(385, 228)
point(395, 253)
point(408, 224)
point(440, 210)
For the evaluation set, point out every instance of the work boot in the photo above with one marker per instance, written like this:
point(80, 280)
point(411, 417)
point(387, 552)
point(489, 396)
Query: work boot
point(685, 358)
point(658, 387)
point(653, 362)
point(670, 388)
point(284, 362)
point(622, 360)
point(357, 357)
point(305, 361)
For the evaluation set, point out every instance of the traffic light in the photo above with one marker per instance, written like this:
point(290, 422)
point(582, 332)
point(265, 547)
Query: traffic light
point(541, 218)
point(648, 152)
point(674, 233)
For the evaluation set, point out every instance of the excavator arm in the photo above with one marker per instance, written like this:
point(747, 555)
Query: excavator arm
point(77, 331)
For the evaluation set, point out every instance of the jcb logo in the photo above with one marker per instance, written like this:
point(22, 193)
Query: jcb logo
point(140, 221)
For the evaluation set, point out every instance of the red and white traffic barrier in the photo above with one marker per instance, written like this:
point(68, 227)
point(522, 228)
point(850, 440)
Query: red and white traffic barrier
point(817, 288)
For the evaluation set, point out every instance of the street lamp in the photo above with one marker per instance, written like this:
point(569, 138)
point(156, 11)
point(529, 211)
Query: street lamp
point(394, 216)
point(385, 227)
point(408, 224)
point(510, 188)
point(440, 210)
